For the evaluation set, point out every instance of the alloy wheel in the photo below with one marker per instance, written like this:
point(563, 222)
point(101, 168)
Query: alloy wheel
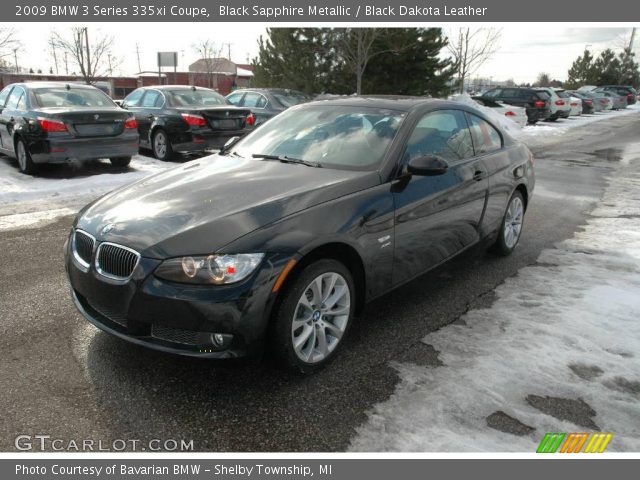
point(513, 222)
point(320, 317)
point(160, 145)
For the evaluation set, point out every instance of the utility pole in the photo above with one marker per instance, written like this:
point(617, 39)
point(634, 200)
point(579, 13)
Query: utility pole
point(110, 68)
point(86, 40)
point(633, 37)
point(138, 55)
point(66, 64)
point(15, 58)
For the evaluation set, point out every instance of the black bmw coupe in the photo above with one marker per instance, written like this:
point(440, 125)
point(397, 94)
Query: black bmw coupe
point(282, 238)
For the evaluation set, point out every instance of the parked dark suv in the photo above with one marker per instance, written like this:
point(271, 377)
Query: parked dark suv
point(622, 90)
point(537, 103)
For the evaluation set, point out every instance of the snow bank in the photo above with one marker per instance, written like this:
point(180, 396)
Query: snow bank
point(579, 306)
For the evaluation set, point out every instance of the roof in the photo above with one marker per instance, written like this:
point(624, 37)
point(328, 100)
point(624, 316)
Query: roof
point(177, 87)
point(389, 102)
point(50, 84)
point(241, 72)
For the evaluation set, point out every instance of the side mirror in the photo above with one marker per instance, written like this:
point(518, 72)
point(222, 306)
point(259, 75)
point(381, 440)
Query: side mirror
point(427, 165)
point(230, 143)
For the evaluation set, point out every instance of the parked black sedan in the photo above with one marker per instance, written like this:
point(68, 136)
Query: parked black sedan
point(284, 236)
point(182, 118)
point(50, 122)
point(266, 103)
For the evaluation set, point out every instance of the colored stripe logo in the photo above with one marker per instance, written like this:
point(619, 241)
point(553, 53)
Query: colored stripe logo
point(574, 442)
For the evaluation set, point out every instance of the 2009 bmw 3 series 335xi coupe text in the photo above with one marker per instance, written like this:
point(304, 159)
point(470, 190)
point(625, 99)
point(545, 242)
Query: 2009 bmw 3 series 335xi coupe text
point(281, 238)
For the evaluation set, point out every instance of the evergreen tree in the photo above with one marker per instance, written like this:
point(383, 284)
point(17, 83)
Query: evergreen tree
point(628, 74)
point(410, 63)
point(582, 71)
point(607, 67)
point(314, 60)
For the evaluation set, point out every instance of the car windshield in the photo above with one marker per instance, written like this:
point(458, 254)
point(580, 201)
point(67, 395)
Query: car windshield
point(562, 94)
point(290, 99)
point(344, 137)
point(196, 98)
point(72, 97)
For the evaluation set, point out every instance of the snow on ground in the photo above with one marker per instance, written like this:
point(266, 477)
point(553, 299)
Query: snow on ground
point(567, 327)
point(62, 189)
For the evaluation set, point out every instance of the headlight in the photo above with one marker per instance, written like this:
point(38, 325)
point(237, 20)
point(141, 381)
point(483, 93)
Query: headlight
point(212, 269)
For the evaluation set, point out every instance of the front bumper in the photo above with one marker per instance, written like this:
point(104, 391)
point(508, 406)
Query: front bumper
point(62, 150)
point(178, 318)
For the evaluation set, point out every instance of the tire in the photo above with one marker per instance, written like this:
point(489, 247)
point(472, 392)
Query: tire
point(25, 163)
point(313, 318)
point(161, 145)
point(120, 162)
point(511, 227)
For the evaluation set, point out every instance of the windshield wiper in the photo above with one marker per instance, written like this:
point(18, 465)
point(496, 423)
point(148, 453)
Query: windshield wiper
point(286, 159)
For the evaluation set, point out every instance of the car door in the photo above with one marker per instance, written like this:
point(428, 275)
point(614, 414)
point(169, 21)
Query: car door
point(148, 110)
point(489, 149)
point(132, 103)
point(257, 103)
point(10, 117)
point(3, 99)
point(438, 216)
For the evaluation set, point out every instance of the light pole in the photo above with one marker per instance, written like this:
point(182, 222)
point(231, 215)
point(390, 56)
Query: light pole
point(15, 58)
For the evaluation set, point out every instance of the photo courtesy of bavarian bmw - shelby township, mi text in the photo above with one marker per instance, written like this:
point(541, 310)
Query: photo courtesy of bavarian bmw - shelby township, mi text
point(317, 238)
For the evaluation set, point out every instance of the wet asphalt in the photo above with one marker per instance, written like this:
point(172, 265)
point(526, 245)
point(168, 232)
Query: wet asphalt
point(64, 378)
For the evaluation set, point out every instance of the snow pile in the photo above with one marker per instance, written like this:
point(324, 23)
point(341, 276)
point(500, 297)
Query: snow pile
point(32, 201)
point(503, 121)
point(579, 306)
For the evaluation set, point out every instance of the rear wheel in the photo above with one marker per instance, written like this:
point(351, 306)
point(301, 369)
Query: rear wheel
point(120, 162)
point(161, 145)
point(313, 316)
point(511, 225)
point(25, 163)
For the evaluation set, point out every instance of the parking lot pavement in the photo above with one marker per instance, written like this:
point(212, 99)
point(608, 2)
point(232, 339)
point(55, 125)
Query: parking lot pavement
point(64, 378)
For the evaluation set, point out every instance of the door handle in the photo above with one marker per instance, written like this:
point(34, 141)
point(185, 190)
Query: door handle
point(478, 175)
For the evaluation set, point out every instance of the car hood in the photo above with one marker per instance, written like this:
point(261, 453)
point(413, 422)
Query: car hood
point(205, 204)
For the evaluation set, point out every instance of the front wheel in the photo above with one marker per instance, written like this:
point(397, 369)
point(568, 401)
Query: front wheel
point(313, 317)
point(511, 225)
point(120, 162)
point(25, 162)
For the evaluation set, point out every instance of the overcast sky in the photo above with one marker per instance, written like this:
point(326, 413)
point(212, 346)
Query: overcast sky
point(525, 49)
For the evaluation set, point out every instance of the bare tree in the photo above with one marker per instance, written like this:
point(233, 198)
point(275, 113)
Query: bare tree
point(543, 80)
point(211, 56)
point(91, 57)
point(8, 45)
point(357, 50)
point(470, 49)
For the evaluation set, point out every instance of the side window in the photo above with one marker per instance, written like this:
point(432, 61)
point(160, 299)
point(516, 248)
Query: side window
point(14, 98)
point(443, 133)
point(133, 98)
point(486, 138)
point(254, 100)
point(235, 98)
point(3, 95)
point(493, 93)
point(22, 103)
point(152, 98)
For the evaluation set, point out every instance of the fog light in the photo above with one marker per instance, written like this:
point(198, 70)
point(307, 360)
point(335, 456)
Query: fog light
point(221, 340)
